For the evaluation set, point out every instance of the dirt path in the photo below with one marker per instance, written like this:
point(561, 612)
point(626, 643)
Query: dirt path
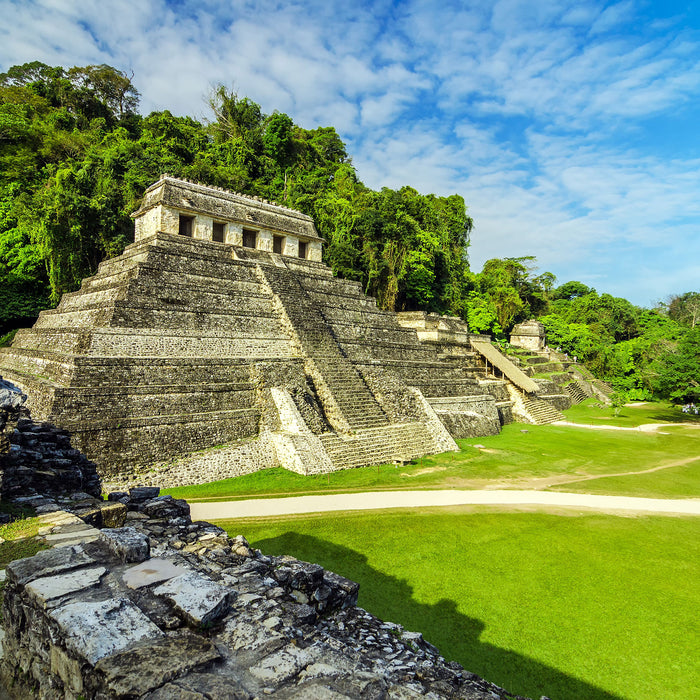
point(421, 499)
point(543, 482)
point(644, 428)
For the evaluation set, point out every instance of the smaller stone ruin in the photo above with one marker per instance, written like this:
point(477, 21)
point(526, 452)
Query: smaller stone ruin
point(37, 461)
point(529, 335)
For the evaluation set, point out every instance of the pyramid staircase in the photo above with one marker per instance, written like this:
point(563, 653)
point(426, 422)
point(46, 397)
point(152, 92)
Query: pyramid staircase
point(541, 412)
point(408, 441)
point(533, 410)
point(355, 402)
point(578, 391)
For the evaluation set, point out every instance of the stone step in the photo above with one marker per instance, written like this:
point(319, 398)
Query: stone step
point(541, 412)
point(377, 446)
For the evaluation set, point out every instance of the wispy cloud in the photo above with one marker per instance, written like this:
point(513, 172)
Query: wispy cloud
point(537, 113)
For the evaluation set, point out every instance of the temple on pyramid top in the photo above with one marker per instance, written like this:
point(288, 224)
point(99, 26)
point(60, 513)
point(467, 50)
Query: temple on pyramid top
point(208, 213)
point(219, 343)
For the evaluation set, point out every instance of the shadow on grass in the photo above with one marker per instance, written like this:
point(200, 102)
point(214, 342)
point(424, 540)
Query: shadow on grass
point(673, 415)
point(455, 634)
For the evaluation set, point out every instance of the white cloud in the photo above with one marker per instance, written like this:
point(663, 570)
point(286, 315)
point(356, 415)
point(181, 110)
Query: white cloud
point(523, 108)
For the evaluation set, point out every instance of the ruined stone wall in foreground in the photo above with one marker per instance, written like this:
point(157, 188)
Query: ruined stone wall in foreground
point(164, 609)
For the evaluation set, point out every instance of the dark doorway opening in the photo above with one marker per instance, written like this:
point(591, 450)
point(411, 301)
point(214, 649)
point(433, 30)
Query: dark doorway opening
point(250, 238)
point(217, 233)
point(186, 225)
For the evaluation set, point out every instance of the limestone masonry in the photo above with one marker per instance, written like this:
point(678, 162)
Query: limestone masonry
point(220, 326)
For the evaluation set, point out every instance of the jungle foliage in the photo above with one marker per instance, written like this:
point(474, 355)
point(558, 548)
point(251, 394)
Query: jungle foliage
point(644, 353)
point(76, 156)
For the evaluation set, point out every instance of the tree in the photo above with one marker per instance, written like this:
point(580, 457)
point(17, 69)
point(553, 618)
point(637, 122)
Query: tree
point(111, 86)
point(678, 373)
point(572, 290)
point(685, 308)
point(618, 399)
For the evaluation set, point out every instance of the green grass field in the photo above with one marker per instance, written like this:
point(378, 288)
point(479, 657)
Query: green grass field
point(18, 540)
point(568, 605)
point(589, 607)
point(516, 458)
point(631, 415)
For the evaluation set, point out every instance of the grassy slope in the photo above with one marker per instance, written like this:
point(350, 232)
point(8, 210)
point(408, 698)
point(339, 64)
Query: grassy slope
point(519, 453)
point(19, 541)
point(590, 606)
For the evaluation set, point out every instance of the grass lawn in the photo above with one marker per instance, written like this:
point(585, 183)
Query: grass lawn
point(675, 482)
point(518, 455)
point(631, 415)
point(19, 541)
point(594, 607)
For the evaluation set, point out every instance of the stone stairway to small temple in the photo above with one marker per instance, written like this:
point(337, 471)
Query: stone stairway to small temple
point(355, 401)
point(541, 411)
point(577, 392)
point(532, 409)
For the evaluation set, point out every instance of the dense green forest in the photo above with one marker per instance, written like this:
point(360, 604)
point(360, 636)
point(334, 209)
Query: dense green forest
point(76, 156)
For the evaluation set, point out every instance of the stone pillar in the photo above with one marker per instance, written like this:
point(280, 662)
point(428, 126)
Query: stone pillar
point(202, 227)
point(315, 251)
point(148, 224)
point(169, 220)
point(291, 247)
point(234, 234)
point(265, 240)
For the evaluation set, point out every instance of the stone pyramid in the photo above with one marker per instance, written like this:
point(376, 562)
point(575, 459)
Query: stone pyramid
point(221, 326)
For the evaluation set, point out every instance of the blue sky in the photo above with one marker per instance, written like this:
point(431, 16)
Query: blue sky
point(571, 129)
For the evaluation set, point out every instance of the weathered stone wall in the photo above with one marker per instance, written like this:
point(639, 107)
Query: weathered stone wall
point(11, 402)
point(212, 464)
point(164, 609)
point(38, 458)
point(468, 416)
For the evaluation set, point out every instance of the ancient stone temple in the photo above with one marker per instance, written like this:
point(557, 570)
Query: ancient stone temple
point(220, 325)
point(529, 335)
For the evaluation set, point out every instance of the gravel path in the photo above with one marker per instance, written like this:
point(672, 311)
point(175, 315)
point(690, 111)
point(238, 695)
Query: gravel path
point(420, 499)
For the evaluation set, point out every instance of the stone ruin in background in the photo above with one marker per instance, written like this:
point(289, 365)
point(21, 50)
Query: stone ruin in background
point(529, 335)
point(220, 325)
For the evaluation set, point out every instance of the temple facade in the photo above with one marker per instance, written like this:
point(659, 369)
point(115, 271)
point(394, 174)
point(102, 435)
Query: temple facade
point(212, 214)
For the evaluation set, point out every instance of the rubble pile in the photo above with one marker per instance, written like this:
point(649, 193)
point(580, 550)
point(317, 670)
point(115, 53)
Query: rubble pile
point(37, 462)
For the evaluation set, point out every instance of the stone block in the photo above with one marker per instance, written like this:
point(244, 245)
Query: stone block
point(48, 563)
point(150, 664)
point(280, 666)
point(165, 507)
point(47, 591)
point(201, 686)
point(127, 543)
point(143, 493)
point(152, 571)
point(120, 624)
point(102, 514)
point(67, 669)
point(197, 599)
